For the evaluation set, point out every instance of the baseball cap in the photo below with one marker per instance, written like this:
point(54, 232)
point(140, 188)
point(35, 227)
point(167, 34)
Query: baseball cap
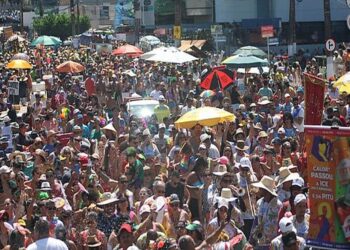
point(299, 182)
point(299, 198)
point(286, 95)
point(222, 203)
point(204, 137)
point(286, 225)
point(161, 98)
point(281, 131)
point(125, 227)
point(192, 227)
point(145, 209)
point(162, 125)
point(174, 198)
point(245, 162)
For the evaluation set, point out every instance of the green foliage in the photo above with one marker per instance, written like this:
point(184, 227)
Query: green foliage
point(59, 25)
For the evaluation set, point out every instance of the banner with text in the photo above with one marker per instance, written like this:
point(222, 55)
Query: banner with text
point(314, 97)
point(328, 164)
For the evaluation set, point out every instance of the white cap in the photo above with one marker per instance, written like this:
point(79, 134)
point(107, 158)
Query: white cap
point(245, 162)
point(146, 132)
point(204, 137)
point(162, 125)
point(161, 98)
point(145, 209)
point(222, 202)
point(286, 225)
point(5, 170)
point(286, 95)
point(202, 146)
point(299, 181)
point(7, 119)
point(281, 131)
point(76, 111)
point(299, 198)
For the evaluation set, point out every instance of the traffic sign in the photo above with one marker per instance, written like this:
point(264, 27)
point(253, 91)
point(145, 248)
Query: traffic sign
point(267, 31)
point(348, 21)
point(330, 45)
point(273, 41)
point(177, 32)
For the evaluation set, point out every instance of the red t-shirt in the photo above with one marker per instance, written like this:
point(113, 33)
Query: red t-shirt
point(90, 86)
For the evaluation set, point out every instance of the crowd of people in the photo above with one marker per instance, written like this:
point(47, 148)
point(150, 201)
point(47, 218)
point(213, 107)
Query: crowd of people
point(80, 171)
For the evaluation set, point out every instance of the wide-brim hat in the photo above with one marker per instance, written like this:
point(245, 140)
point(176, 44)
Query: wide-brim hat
point(262, 134)
point(285, 175)
point(109, 127)
point(257, 126)
point(220, 170)
point(17, 156)
point(226, 193)
point(266, 183)
point(240, 145)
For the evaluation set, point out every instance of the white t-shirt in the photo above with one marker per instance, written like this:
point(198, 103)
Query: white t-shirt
point(155, 94)
point(300, 127)
point(48, 244)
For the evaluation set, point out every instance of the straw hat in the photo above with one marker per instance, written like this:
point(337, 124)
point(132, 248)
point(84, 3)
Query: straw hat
point(262, 134)
point(264, 100)
point(257, 126)
point(17, 156)
point(241, 145)
point(266, 183)
point(226, 193)
point(51, 133)
point(109, 127)
point(220, 170)
point(106, 199)
point(285, 175)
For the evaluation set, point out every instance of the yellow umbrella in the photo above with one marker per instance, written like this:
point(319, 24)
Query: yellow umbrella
point(205, 116)
point(344, 88)
point(345, 79)
point(19, 64)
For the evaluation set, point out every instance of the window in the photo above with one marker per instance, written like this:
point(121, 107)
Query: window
point(104, 12)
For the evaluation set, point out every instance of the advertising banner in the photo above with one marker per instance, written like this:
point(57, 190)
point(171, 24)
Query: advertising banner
point(124, 13)
point(328, 165)
point(314, 97)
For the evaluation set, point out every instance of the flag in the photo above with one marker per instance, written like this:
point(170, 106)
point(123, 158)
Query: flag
point(314, 97)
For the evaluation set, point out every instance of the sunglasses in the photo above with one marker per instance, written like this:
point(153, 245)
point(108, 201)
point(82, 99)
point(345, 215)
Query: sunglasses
point(124, 182)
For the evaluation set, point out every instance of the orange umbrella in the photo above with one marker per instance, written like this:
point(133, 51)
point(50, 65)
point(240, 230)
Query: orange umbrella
point(70, 67)
point(127, 50)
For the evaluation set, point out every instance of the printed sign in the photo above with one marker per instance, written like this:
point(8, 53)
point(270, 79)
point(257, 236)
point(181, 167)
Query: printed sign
point(267, 31)
point(314, 96)
point(13, 88)
point(328, 165)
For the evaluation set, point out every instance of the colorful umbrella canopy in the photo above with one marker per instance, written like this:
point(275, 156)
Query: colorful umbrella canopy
point(127, 50)
point(151, 40)
point(168, 55)
point(344, 88)
point(254, 70)
point(345, 79)
point(15, 38)
point(239, 61)
point(217, 78)
point(19, 64)
point(205, 116)
point(70, 67)
point(207, 93)
point(21, 56)
point(250, 51)
point(46, 41)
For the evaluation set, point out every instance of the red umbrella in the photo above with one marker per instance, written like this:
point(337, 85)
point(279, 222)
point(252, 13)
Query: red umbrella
point(218, 78)
point(70, 67)
point(127, 50)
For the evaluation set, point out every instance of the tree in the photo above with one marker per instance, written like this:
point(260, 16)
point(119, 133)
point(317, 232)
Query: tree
point(59, 25)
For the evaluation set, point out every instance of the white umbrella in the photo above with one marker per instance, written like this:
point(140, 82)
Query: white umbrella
point(151, 40)
point(254, 70)
point(169, 55)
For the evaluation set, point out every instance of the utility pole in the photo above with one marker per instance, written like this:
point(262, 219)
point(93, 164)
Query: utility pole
point(41, 8)
point(21, 3)
point(291, 38)
point(72, 16)
point(328, 35)
point(78, 17)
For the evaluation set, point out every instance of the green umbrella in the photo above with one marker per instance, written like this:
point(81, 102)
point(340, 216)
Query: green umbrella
point(250, 51)
point(239, 61)
point(47, 41)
